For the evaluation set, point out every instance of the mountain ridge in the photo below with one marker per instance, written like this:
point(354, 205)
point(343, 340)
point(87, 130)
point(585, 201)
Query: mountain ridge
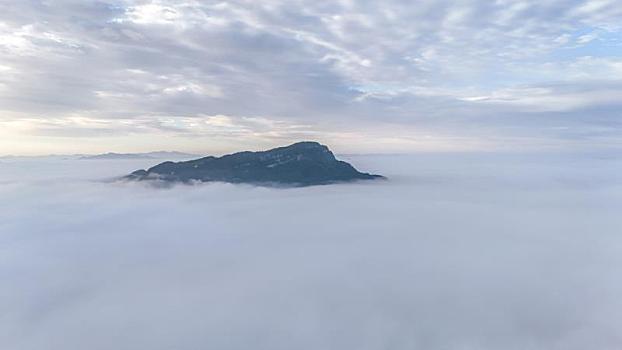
point(305, 163)
point(146, 155)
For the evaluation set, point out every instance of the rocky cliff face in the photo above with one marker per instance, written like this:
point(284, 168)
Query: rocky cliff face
point(300, 164)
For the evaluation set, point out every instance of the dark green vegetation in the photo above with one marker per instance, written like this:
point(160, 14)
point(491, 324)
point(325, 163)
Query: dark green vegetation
point(300, 164)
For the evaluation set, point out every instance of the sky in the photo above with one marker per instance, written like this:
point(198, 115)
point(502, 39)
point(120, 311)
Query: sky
point(82, 76)
point(480, 251)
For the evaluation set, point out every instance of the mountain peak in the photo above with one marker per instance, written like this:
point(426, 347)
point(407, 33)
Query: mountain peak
point(300, 164)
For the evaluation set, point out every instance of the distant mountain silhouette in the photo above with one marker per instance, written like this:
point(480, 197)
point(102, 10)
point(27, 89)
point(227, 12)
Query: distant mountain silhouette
point(149, 155)
point(300, 164)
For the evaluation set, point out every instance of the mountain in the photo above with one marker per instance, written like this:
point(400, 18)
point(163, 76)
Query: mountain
point(149, 155)
point(110, 156)
point(170, 154)
point(43, 157)
point(300, 164)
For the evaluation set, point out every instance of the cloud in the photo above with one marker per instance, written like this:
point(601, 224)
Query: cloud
point(456, 251)
point(312, 63)
point(151, 14)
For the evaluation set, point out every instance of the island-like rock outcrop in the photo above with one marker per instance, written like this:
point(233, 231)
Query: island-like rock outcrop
point(300, 164)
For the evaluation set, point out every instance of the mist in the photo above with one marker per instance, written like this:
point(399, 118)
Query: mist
point(454, 251)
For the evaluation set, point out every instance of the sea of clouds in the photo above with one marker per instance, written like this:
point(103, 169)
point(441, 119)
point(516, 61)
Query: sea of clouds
point(455, 251)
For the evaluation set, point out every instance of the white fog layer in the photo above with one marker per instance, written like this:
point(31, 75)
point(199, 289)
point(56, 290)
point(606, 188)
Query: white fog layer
point(455, 251)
